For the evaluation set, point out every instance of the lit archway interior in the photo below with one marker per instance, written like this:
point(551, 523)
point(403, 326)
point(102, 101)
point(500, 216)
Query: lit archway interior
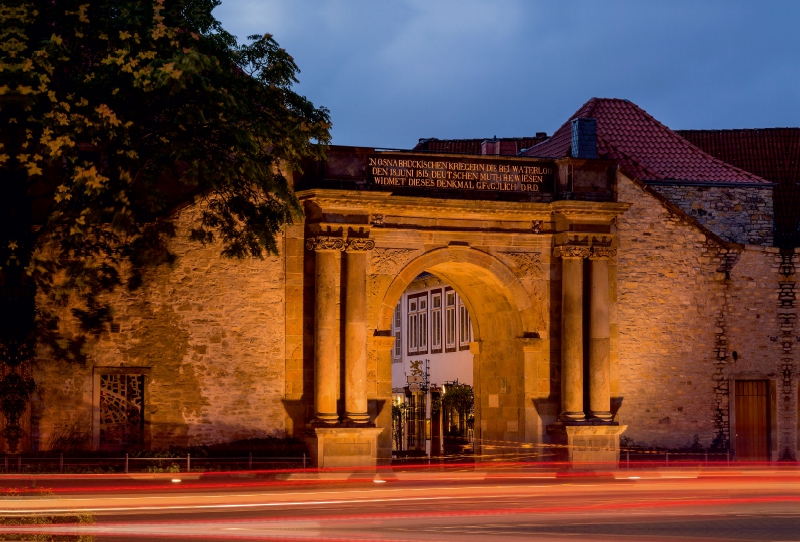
point(496, 309)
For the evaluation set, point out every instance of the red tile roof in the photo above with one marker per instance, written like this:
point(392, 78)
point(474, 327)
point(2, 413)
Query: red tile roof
point(770, 153)
point(472, 146)
point(642, 146)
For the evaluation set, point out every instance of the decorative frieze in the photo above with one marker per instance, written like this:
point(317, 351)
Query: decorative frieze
point(325, 243)
point(385, 261)
point(571, 251)
point(527, 264)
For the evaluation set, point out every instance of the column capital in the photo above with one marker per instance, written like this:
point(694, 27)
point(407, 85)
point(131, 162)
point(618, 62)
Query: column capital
point(571, 252)
point(383, 343)
point(359, 244)
point(324, 243)
point(603, 253)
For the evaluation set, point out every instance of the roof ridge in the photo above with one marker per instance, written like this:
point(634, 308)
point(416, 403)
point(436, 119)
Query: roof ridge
point(711, 130)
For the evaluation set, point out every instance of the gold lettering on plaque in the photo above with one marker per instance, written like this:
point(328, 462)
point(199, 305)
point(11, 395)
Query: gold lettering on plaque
point(416, 172)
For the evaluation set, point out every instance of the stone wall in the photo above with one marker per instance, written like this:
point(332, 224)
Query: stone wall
point(693, 316)
point(739, 215)
point(211, 328)
point(666, 301)
point(762, 337)
point(230, 342)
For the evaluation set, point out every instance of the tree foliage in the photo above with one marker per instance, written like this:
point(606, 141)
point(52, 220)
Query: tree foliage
point(112, 112)
point(459, 399)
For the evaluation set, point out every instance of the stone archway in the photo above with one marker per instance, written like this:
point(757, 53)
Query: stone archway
point(501, 314)
point(519, 268)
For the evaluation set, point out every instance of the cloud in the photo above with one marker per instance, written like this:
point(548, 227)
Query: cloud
point(392, 72)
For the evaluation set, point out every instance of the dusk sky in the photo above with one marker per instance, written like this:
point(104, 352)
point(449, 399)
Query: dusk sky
point(393, 72)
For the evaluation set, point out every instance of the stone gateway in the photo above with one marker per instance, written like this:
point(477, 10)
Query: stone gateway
point(603, 303)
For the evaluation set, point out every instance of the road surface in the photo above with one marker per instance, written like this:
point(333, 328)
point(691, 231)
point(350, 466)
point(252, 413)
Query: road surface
point(511, 504)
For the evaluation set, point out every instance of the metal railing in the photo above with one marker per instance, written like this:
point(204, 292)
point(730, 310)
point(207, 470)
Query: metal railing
point(127, 464)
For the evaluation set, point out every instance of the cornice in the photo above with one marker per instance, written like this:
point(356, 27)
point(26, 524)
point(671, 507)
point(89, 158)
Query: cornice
point(386, 203)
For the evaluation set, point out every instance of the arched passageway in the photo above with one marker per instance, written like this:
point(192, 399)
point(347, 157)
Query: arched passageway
point(519, 267)
point(498, 307)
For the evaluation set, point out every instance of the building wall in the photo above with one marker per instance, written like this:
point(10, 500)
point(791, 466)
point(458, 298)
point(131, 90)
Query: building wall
point(739, 215)
point(211, 328)
point(760, 327)
point(685, 304)
point(228, 341)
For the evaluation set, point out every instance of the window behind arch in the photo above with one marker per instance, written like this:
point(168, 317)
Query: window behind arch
point(436, 321)
point(450, 340)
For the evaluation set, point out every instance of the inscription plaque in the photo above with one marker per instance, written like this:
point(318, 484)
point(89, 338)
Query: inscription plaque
point(392, 171)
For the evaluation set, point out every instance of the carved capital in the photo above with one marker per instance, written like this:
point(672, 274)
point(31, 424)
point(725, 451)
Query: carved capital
point(571, 251)
point(603, 253)
point(325, 243)
point(358, 244)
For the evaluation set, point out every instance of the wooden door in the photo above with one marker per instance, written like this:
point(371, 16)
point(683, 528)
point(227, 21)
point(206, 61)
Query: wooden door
point(752, 420)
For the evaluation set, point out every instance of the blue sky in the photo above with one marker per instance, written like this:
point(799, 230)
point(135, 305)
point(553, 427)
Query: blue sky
point(392, 72)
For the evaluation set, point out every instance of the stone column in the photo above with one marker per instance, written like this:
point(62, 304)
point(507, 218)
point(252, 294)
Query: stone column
point(355, 330)
point(326, 376)
point(572, 331)
point(599, 336)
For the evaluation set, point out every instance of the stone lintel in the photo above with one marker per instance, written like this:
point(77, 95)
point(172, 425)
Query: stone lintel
point(344, 447)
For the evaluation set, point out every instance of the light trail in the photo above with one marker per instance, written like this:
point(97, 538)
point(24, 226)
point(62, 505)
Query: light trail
point(317, 509)
point(265, 528)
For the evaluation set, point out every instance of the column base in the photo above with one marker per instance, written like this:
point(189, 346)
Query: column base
point(325, 419)
point(587, 446)
point(603, 416)
point(572, 416)
point(357, 417)
point(343, 447)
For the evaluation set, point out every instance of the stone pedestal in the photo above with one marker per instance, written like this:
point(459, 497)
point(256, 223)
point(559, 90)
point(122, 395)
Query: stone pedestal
point(343, 447)
point(587, 446)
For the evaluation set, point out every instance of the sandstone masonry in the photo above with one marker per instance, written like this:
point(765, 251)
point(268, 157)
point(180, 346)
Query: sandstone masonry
point(740, 215)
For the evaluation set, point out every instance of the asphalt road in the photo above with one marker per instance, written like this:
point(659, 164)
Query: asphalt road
point(508, 505)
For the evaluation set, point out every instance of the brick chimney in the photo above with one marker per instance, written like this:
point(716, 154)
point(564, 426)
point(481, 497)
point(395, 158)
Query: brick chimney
point(489, 146)
point(507, 147)
point(499, 147)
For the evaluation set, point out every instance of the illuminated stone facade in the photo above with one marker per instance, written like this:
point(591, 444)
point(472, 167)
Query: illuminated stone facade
point(590, 314)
